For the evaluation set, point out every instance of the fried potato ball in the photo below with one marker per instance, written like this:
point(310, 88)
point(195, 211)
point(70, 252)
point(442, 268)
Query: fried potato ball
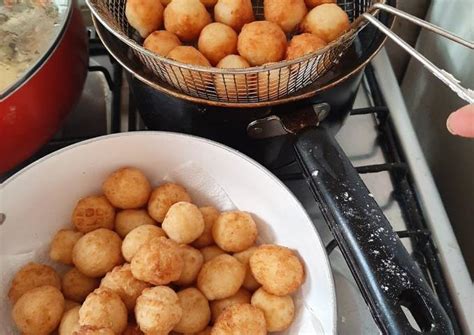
point(39, 310)
point(234, 13)
point(183, 77)
point(262, 42)
point(70, 322)
point(144, 15)
point(138, 237)
point(129, 219)
point(221, 277)
point(132, 329)
point(165, 2)
point(161, 42)
point(92, 213)
point(70, 304)
point(230, 86)
point(217, 306)
point(93, 330)
point(303, 44)
point(163, 197)
point(103, 308)
point(186, 18)
point(327, 21)
point(205, 331)
point(250, 283)
point(216, 41)
point(209, 214)
point(209, 3)
point(193, 261)
point(127, 188)
point(77, 286)
point(277, 268)
point(97, 252)
point(158, 262)
point(30, 276)
point(240, 319)
point(196, 311)
point(121, 281)
point(279, 312)
point(234, 231)
point(273, 83)
point(314, 3)
point(158, 310)
point(288, 14)
point(210, 252)
point(188, 55)
point(61, 246)
point(183, 223)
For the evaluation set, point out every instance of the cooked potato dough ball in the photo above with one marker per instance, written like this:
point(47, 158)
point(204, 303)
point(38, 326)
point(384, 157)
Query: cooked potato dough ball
point(186, 18)
point(129, 219)
point(193, 261)
point(138, 237)
point(158, 310)
point(288, 14)
point(161, 42)
point(205, 331)
point(132, 329)
point(234, 13)
point(196, 311)
point(303, 44)
point(70, 304)
point(70, 322)
point(279, 312)
point(216, 41)
point(93, 330)
point(127, 188)
point(39, 310)
point(103, 308)
point(240, 319)
point(210, 252)
point(77, 286)
point(221, 277)
point(158, 262)
point(217, 306)
point(183, 223)
point(277, 268)
point(144, 15)
point(97, 252)
point(209, 3)
point(262, 42)
point(234, 231)
point(230, 86)
point(209, 214)
point(163, 197)
point(165, 2)
point(327, 21)
point(121, 281)
point(61, 246)
point(314, 3)
point(92, 213)
point(250, 283)
point(273, 83)
point(188, 55)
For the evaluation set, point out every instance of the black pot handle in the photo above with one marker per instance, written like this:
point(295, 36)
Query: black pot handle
point(387, 276)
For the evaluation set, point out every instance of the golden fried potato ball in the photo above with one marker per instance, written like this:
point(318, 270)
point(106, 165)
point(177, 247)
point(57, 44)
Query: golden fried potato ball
point(97, 252)
point(217, 306)
point(234, 13)
point(144, 15)
point(188, 55)
point(303, 44)
point(158, 262)
point(209, 214)
point(129, 219)
point(327, 21)
point(70, 304)
point(221, 277)
point(240, 319)
point(216, 41)
point(209, 3)
point(165, 2)
point(70, 322)
point(30, 276)
point(193, 261)
point(262, 42)
point(230, 86)
point(186, 18)
point(138, 237)
point(277, 268)
point(279, 311)
point(92, 213)
point(127, 188)
point(93, 330)
point(161, 42)
point(77, 286)
point(273, 84)
point(39, 310)
point(158, 310)
point(132, 329)
point(205, 331)
point(163, 197)
point(121, 281)
point(288, 14)
point(62, 244)
point(210, 252)
point(314, 3)
point(250, 283)
point(234, 231)
point(183, 223)
point(196, 311)
point(103, 308)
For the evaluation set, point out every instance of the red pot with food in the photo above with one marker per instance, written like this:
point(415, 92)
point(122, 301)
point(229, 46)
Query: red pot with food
point(43, 66)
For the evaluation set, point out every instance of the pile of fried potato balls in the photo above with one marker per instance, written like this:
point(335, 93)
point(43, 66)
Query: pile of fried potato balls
point(148, 261)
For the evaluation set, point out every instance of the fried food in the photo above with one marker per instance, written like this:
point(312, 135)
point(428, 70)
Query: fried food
point(129, 219)
point(209, 214)
point(279, 312)
point(250, 283)
point(183, 223)
point(61, 246)
point(288, 14)
point(210, 252)
point(70, 322)
point(217, 306)
point(216, 41)
point(132, 329)
point(93, 330)
point(164, 196)
point(303, 44)
point(240, 319)
point(127, 188)
point(188, 55)
point(138, 237)
point(196, 311)
point(314, 3)
point(70, 304)
point(93, 212)
point(234, 13)
point(161, 42)
point(327, 21)
point(186, 18)
point(193, 261)
point(234, 231)
point(230, 86)
point(77, 286)
point(145, 16)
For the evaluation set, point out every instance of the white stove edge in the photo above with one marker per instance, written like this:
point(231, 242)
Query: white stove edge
point(452, 261)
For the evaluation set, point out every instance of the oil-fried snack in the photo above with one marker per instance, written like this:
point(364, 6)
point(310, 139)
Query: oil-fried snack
point(129, 219)
point(183, 223)
point(164, 196)
point(70, 304)
point(196, 312)
point(138, 237)
point(216, 41)
point(232, 86)
point(217, 306)
point(210, 252)
point(186, 18)
point(327, 21)
point(93, 212)
point(234, 231)
point(209, 214)
point(234, 13)
point(314, 3)
point(240, 319)
point(303, 44)
point(288, 14)
point(279, 311)
point(77, 286)
point(161, 42)
point(250, 283)
point(145, 16)
point(93, 330)
point(70, 322)
point(193, 261)
point(60, 249)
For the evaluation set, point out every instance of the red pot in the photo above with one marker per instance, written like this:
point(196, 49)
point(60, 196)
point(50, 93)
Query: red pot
point(31, 110)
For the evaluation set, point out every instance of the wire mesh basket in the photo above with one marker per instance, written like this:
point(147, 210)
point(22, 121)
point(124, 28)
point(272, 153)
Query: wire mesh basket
point(250, 85)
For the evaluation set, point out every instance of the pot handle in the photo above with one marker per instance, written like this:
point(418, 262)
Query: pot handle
point(387, 276)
